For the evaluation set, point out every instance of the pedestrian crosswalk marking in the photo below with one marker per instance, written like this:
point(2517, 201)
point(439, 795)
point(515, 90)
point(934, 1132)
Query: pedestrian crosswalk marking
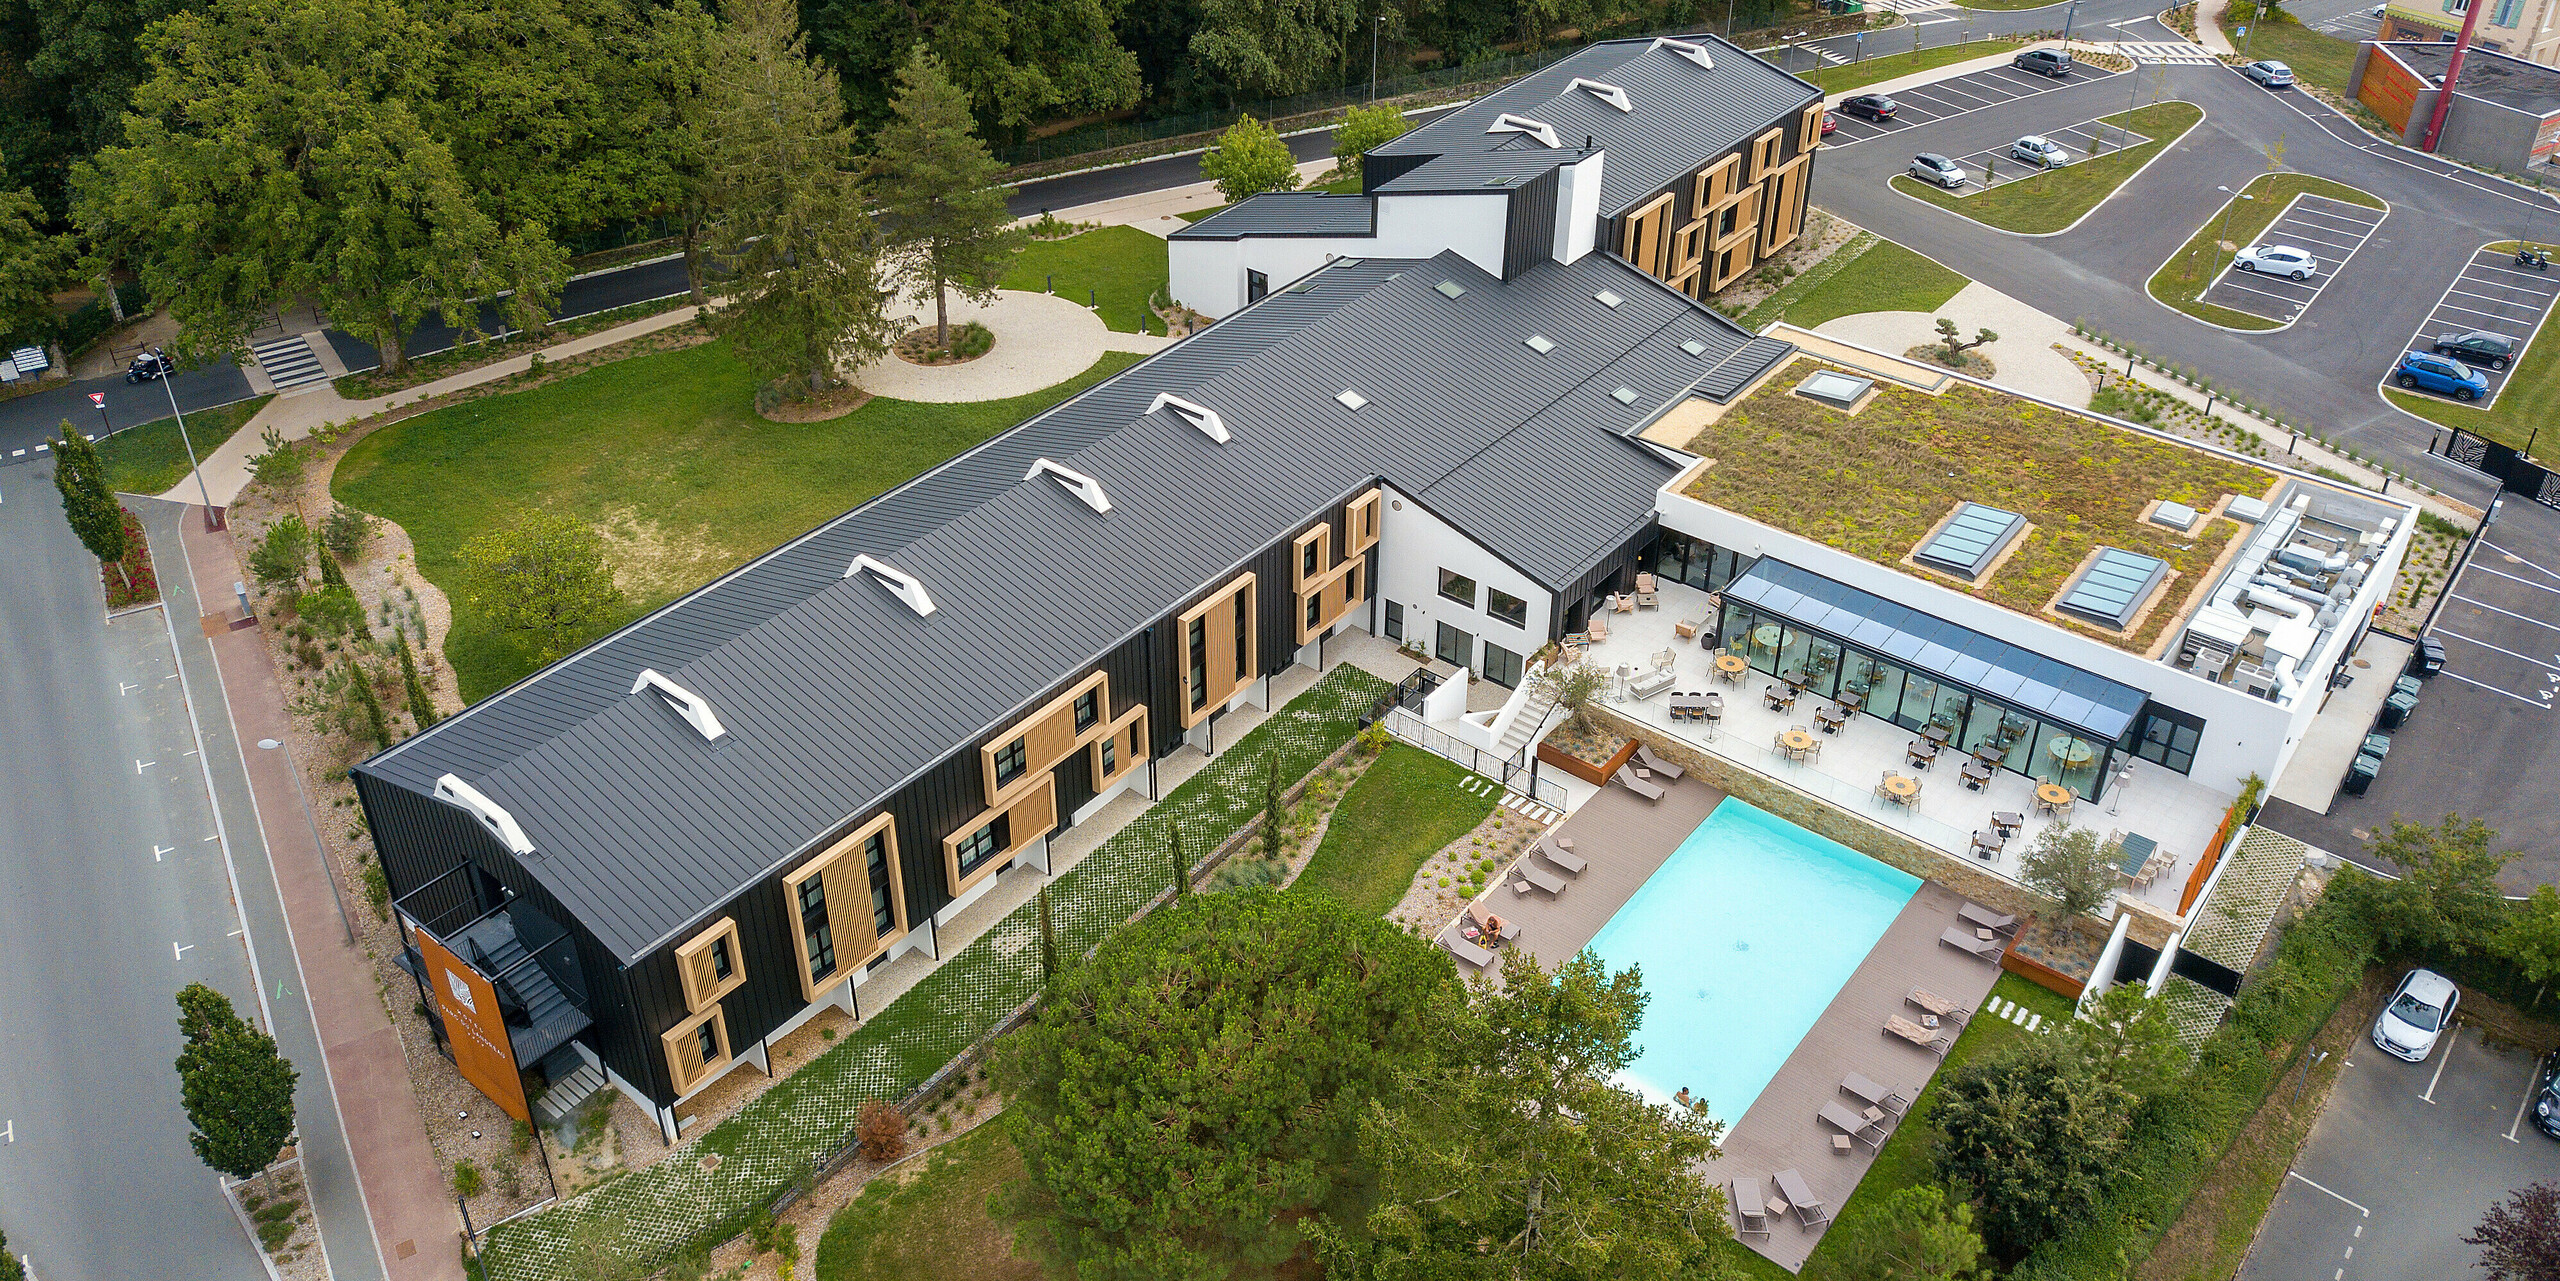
point(2171, 51)
point(289, 361)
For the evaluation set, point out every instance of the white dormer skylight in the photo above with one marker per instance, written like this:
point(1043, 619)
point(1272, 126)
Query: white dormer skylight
point(1540, 130)
point(1200, 416)
point(1608, 93)
point(1607, 298)
point(1077, 483)
point(1696, 53)
point(1539, 343)
point(1352, 400)
point(906, 586)
point(695, 710)
point(493, 816)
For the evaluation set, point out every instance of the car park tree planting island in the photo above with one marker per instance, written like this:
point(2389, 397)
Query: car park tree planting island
point(2529, 399)
point(2182, 280)
point(2057, 198)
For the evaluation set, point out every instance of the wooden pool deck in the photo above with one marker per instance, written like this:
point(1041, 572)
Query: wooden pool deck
point(1625, 838)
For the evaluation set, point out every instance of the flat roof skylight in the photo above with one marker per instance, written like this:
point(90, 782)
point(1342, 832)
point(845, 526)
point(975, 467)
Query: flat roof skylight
point(1608, 298)
point(1352, 400)
point(2111, 590)
point(1832, 387)
point(1970, 540)
point(1694, 347)
point(1449, 288)
point(1624, 395)
point(1539, 343)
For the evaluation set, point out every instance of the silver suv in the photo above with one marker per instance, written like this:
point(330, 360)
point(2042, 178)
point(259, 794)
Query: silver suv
point(2056, 63)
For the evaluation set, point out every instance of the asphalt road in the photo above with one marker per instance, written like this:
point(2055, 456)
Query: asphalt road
point(2405, 1159)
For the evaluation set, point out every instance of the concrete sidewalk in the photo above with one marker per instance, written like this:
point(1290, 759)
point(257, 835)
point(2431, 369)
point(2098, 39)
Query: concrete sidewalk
point(404, 1189)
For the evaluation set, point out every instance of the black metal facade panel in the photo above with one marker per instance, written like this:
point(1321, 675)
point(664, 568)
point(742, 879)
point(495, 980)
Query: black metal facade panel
point(1287, 213)
point(1529, 230)
point(1378, 168)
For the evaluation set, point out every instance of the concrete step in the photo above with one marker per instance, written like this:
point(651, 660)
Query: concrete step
point(567, 1095)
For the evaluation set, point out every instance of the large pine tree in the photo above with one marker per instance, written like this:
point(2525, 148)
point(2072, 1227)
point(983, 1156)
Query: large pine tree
point(939, 200)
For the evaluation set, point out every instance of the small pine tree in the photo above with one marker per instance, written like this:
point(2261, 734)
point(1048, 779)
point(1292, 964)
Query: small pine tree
point(237, 1089)
point(1181, 865)
point(1271, 810)
point(86, 502)
point(1048, 941)
point(422, 706)
point(332, 576)
point(361, 685)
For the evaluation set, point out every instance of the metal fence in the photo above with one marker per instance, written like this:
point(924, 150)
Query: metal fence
point(2514, 469)
point(1519, 773)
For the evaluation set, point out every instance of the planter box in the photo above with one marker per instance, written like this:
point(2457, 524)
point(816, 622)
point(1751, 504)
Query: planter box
point(1596, 775)
point(2041, 974)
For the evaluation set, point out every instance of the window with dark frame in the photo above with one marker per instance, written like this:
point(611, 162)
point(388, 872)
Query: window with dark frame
point(1088, 709)
point(980, 846)
point(722, 965)
point(706, 1043)
point(1110, 756)
point(875, 866)
point(1256, 284)
point(1199, 640)
point(1458, 587)
point(2169, 739)
point(1351, 584)
point(1011, 760)
point(1501, 666)
point(1315, 608)
point(1395, 621)
point(816, 934)
point(1244, 642)
point(1506, 607)
point(1308, 556)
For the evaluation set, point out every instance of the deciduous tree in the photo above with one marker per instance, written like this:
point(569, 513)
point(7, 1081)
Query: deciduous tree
point(33, 264)
point(786, 187)
point(1203, 1078)
point(2447, 896)
point(544, 580)
point(2530, 940)
point(1018, 60)
point(237, 1089)
point(81, 477)
point(1917, 1234)
point(2066, 865)
point(1266, 50)
point(2519, 1238)
point(936, 189)
point(1514, 1155)
point(2034, 1135)
point(1363, 128)
point(1250, 158)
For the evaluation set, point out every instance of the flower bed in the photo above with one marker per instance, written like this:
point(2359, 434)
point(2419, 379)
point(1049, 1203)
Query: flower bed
point(1585, 749)
point(130, 582)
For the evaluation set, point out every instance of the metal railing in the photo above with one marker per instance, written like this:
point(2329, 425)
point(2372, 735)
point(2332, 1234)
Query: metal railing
point(1516, 773)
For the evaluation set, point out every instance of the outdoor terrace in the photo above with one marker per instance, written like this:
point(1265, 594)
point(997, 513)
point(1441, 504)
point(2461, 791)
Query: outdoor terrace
point(1877, 480)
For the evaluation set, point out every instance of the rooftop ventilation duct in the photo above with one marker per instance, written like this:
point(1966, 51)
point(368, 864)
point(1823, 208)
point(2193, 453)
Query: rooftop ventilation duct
point(695, 710)
point(1508, 123)
point(1200, 416)
point(1696, 53)
point(493, 816)
point(1608, 93)
point(906, 586)
point(1077, 483)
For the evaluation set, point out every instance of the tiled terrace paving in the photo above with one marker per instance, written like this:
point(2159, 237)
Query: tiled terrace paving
point(1781, 1131)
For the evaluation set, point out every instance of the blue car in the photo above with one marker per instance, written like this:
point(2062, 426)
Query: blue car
point(2423, 371)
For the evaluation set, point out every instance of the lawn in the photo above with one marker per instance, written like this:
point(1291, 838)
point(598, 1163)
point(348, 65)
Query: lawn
point(1121, 267)
point(2529, 400)
point(1885, 66)
point(2055, 199)
point(1875, 484)
point(150, 458)
point(2182, 280)
point(1881, 276)
point(2322, 61)
point(1399, 814)
point(665, 455)
point(932, 1224)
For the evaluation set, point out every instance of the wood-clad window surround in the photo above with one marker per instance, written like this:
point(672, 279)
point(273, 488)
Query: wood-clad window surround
point(835, 900)
point(1326, 598)
point(1121, 749)
point(688, 1064)
point(1647, 231)
point(1310, 554)
point(1717, 184)
point(1809, 128)
point(1214, 664)
point(711, 965)
point(1764, 153)
point(1019, 822)
point(1031, 747)
point(1360, 523)
point(1731, 261)
point(1688, 248)
point(1782, 213)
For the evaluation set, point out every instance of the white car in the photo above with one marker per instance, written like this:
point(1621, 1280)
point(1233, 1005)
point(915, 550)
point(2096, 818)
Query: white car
point(2040, 151)
point(2419, 1012)
point(1929, 166)
point(2278, 260)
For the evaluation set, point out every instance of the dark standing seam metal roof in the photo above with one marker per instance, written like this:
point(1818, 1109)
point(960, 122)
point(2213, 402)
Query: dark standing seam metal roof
point(1499, 169)
point(835, 693)
point(2023, 679)
point(1684, 114)
point(1287, 213)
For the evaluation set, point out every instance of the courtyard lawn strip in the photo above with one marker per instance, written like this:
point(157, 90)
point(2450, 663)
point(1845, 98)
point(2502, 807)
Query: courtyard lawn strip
point(665, 456)
point(1879, 68)
point(772, 1140)
point(2318, 59)
point(2057, 198)
point(1880, 276)
point(1119, 267)
point(933, 1222)
point(150, 458)
point(2529, 399)
point(1394, 818)
point(2182, 280)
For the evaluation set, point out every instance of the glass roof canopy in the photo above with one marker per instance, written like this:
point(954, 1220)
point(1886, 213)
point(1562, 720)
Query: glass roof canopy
point(2021, 678)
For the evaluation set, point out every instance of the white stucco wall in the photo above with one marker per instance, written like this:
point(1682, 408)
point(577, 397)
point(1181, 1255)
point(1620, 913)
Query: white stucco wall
point(1209, 275)
point(1578, 208)
point(1414, 546)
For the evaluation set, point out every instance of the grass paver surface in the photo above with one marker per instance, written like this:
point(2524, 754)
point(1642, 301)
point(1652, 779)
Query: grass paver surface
point(934, 1224)
point(1397, 816)
point(2182, 280)
point(665, 456)
point(1874, 484)
point(1881, 276)
point(1120, 267)
point(2530, 398)
point(2057, 198)
point(150, 458)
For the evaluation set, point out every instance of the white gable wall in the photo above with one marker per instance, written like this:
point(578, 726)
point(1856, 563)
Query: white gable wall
point(1209, 275)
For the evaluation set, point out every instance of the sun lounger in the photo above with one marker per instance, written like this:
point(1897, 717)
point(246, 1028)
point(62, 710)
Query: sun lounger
point(1530, 875)
point(1851, 1124)
point(1510, 929)
point(1752, 1213)
point(1931, 1003)
point(1807, 1206)
point(1934, 1042)
point(1977, 914)
point(1874, 1095)
point(1466, 951)
point(1963, 940)
point(1571, 863)
point(1640, 787)
point(1646, 758)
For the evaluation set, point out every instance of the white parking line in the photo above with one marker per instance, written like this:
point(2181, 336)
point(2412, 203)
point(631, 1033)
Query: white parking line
point(2508, 612)
point(2545, 660)
point(2470, 311)
point(2513, 579)
point(2508, 271)
point(2452, 1043)
point(2332, 1192)
point(2529, 702)
point(2532, 1078)
point(2537, 567)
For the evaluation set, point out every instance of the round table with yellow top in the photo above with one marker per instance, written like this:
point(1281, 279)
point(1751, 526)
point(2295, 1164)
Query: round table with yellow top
point(1732, 664)
point(2053, 794)
point(1796, 741)
point(1902, 785)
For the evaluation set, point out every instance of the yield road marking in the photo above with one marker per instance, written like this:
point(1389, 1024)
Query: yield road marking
point(2332, 1192)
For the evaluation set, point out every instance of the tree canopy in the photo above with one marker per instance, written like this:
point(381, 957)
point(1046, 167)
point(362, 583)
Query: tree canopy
point(936, 189)
point(2034, 1134)
point(544, 580)
point(1250, 158)
point(237, 1089)
point(2446, 897)
point(81, 478)
point(2519, 1238)
point(1916, 1234)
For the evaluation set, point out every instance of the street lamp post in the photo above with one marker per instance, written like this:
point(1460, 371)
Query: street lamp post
point(2067, 16)
point(1376, 24)
point(1728, 19)
point(212, 516)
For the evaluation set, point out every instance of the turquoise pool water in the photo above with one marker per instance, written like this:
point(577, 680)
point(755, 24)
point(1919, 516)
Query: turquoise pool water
point(1744, 934)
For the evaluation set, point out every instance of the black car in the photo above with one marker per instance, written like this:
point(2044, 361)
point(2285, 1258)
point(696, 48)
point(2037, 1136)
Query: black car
point(2479, 347)
point(2546, 1096)
point(1873, 106)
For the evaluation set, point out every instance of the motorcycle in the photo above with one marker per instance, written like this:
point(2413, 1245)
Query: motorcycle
point(150, 366)
point(2534, 258)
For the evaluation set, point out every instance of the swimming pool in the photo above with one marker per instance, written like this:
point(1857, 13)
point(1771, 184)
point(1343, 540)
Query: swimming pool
point(1744, 934)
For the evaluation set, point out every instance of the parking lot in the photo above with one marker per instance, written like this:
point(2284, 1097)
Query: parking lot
point(2332, 230)
point(2355, 24)
point(1958, 96)
point(2492, 293)
point(2405, 1159)
point(1995, 167)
